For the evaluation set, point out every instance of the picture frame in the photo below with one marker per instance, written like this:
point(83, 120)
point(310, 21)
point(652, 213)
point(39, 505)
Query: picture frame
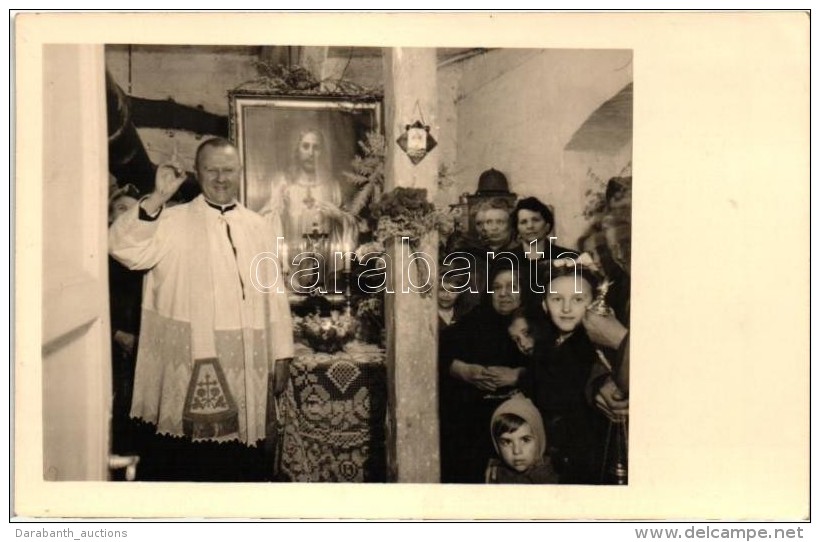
point(265, 128)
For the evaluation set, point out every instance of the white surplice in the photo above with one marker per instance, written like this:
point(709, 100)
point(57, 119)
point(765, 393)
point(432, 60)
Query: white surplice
point(202, 298)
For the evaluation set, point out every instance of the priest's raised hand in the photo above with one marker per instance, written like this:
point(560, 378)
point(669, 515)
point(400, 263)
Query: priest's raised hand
point(168, 179)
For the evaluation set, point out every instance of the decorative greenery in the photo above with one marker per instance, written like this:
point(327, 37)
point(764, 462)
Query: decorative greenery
point(596, 197)
point(295, 79)
point(368, 173)
point(402, 212)
point(405, 212)
point(285, 78)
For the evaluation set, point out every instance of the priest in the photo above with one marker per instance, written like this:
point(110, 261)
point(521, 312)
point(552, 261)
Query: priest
point(211, 338)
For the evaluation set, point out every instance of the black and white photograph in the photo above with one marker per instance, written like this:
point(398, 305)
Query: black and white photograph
point(284, 264)
point(214, 379)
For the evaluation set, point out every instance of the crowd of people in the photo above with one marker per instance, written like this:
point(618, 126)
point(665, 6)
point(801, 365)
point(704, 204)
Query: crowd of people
point(531, 381)
point(534, 370)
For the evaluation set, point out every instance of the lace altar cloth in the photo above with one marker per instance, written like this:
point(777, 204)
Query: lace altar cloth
point(335, 413)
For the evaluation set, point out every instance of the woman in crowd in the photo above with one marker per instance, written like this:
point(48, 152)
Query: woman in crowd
point(534, 222)
point(480, 369)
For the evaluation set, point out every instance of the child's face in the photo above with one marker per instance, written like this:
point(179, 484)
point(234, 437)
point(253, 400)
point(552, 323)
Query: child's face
point(519, 448)
point(519, 331)
point(446, 296)
point(566, 307)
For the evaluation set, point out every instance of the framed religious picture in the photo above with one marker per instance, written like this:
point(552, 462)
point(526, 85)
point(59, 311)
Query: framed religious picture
point(297, 153)
point(300, 139)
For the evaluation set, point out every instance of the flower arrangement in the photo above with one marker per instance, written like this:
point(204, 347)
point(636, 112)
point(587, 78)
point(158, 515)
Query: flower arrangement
point(326, 333)
point(405, 212)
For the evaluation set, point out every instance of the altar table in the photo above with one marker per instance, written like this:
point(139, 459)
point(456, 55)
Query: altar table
point(334, 411)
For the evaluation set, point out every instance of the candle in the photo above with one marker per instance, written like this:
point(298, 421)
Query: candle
point(348, 260)
point(350, 246)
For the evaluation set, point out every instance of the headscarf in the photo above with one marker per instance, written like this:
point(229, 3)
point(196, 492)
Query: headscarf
point(524, 409)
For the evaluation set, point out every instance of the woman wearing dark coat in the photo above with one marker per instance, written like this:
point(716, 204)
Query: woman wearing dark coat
point(480, 367)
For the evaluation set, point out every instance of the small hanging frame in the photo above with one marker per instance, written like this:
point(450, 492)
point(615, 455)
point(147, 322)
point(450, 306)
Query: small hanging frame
point(416, 140)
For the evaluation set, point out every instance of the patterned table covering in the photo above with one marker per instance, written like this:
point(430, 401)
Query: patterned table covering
point(335, 413)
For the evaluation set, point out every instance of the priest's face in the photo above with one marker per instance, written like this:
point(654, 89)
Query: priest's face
point(218, 172)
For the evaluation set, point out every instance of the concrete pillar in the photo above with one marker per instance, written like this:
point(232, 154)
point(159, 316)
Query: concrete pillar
point(412, 324)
